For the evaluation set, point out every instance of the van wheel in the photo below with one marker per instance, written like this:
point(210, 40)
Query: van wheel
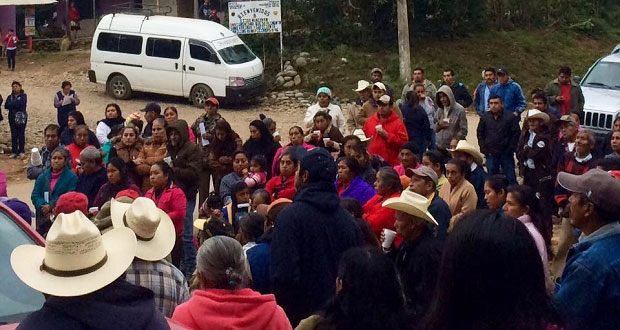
point(119, 87)
point(199, 94)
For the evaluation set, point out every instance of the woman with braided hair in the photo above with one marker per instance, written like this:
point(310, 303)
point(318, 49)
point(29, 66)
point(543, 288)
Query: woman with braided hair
point(225, 299)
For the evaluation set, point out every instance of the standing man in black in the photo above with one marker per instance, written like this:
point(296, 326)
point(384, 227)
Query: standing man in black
point(461, 94)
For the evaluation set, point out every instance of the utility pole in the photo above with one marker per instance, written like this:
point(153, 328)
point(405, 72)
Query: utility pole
point(404, 52)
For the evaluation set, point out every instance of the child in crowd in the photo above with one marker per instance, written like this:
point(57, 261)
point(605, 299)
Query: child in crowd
point(257, 176)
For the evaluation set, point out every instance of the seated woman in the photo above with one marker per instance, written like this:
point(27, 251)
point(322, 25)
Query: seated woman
point(171, 115)
point(113, 117)
point(170, 199)
point(283, 185)
point(296, 138)
point(118, 180)
point(80, 143)
point(55, 181)
point(239, 205)
point(368, 295)
point(409, 158)
point(240, 170)
point(350, 184)
point(323, 134)
point(387, 186)
point(91, 174)
point(224, 299)
point(458, 192)
point(153, 151)
point(76, 118)
point(128, 148)
point(495, 191)
point(260, 143)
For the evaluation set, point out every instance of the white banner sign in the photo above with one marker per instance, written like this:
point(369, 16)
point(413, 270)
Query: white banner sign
point(247, 17)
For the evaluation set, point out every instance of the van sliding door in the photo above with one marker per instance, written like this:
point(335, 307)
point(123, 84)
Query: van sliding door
point(163, 72)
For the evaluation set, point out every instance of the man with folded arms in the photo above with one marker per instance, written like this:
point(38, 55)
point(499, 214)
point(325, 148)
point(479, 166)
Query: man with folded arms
point(155, 239)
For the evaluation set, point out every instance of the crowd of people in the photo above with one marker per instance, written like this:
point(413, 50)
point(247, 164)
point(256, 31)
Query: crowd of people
point(382, 216)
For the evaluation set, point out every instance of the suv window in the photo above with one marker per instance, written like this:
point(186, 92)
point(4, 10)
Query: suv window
point(165, 48)
point(202, 53)
point(17, 300)
point(119, 43)
point(604, 75)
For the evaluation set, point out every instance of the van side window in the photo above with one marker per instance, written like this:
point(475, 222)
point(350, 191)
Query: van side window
point(202, 53)
point(165, 48)
point(119, 43)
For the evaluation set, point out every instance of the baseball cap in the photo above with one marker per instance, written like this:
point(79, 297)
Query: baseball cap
point(568, 119)
point(213, 100)
point(502, 71)
point(385, 99)
point(376, 70)
point(424, 171)
point(320, 165)
point(70, 202)
point(324, 90)
point(379, 85)
point(598, 185)
point(152, 106)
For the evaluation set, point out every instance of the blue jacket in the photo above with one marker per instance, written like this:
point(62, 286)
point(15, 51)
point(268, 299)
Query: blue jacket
point(440, 210)
point(480, 106)
point(511, 95)
point(66, 182)
point(477, 179)
point(258, 258)
point(587, 296)
point(359, 190)
point(15, 103)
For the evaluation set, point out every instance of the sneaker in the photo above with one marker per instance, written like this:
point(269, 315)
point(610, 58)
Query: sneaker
point(13, 156)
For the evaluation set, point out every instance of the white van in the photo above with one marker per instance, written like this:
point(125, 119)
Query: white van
point(175, 56)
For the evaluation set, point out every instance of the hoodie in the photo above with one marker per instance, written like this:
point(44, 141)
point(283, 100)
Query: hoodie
point(457, 128)
point(246, 309)
point(388, 148)
point(119, 305)
point(186, 160)
point(310, 235)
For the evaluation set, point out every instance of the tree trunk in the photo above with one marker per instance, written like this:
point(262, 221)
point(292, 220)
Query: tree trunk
point(404, 52)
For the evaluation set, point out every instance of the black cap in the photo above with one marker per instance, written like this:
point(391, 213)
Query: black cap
point(320, 165)
point(152, 106)
point(502, 71)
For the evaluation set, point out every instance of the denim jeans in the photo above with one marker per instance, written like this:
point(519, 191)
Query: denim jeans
point(189, 249)
point(504, 165)
point(10, 58)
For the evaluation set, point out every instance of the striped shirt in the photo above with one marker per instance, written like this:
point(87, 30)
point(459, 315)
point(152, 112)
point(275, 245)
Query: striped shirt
point(164, 279)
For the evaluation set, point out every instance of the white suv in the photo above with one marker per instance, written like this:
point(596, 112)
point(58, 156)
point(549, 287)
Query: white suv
point(601, 90)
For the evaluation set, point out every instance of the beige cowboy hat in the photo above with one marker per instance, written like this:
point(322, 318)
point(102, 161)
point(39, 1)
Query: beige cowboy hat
point(153, 227)
point(534, 113)
point(76, 259)
point(361, 135)
point(468, 148)
point(362, 85)
point(411, 203)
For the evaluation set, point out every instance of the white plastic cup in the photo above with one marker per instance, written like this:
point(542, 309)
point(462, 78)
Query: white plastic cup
point(276, 133)
point(379, 127)
point(388, 238)
point(168, 160)
point(93, 210)
point(317, 132)
point(446, 120)
point(325, 140)
point(35, 157)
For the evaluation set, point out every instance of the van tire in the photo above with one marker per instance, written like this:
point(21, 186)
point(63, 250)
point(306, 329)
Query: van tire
point(199, 94)
point(119, 87)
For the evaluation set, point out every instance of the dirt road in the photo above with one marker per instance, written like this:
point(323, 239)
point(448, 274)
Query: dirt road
point(42, 74)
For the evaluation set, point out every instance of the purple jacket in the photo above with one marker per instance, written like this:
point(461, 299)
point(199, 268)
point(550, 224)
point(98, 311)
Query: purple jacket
point(358, 189)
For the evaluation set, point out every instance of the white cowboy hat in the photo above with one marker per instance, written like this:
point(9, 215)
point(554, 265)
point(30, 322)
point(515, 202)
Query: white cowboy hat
point(468, 148)
point(362, 85)
point(411, 203)
point(535, 113)
point(76, 259)
point(153, 227)
point(360, 134)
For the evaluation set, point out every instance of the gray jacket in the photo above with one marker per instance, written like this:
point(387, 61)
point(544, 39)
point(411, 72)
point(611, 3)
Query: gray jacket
point(457, 128)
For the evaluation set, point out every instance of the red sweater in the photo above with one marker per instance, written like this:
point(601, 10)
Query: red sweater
point(216, 309)
point(172, 201)
point(396, 136)
point(278, 189)
point(75, 150)
point(378, 216)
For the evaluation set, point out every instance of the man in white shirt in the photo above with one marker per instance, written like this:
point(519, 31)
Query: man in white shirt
point(324, 97)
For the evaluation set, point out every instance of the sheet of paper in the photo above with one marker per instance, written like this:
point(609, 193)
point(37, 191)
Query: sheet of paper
point(67, 100)
point(203, 130)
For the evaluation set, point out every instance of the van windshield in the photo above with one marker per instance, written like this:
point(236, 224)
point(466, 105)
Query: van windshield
point(237, 54)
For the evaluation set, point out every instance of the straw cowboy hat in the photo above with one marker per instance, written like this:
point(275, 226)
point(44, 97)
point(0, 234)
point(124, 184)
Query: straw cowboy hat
point(76, 259)
point(153, 227)
point(362, 85)
point(534, 113)
point(361, 135)
point(411, 203)
point(466, 147)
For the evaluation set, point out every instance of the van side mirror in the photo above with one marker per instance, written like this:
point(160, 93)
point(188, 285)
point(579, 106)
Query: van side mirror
point(577, 79)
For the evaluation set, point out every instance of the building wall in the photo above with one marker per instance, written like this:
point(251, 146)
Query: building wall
point(7, 18)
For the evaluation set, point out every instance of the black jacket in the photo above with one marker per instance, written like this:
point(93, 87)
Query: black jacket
point(309, 237)
point(440, 210)
point(461, 94)
point(186, 160)
point(417, 124)
point(498, 137)
point(417, 262)
point(89, 184)
point(117, 306)
point(477, 179)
